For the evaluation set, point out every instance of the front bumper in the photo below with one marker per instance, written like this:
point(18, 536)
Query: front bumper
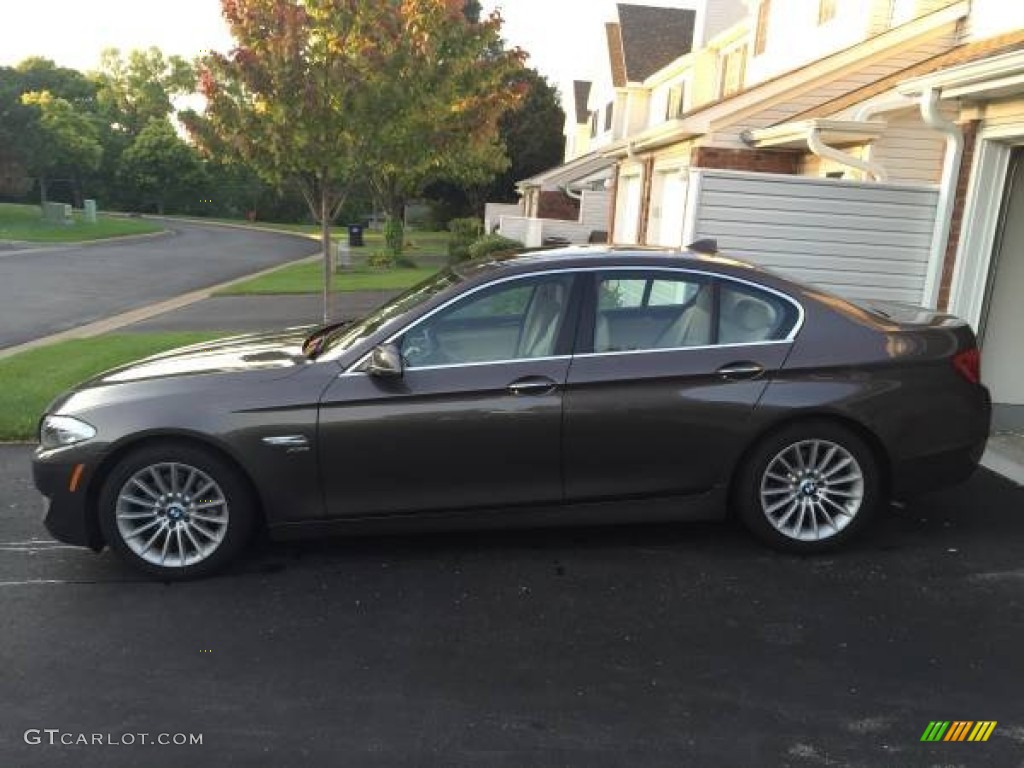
point(68, 517)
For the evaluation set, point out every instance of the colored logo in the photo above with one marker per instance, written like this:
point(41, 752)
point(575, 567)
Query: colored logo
point(958, 730)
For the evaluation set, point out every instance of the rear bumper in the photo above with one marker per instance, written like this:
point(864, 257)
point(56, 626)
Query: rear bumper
point(936, 471)
point(67, 516)
point(963, 435)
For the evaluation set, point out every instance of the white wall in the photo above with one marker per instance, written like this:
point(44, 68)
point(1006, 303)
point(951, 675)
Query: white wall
point(993, 17)
point(795, 38)
point(494, 211)
point(627, 208)
point(857, 239)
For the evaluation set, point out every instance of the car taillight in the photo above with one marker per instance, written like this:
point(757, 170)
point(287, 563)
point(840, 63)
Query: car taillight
point(968, 364)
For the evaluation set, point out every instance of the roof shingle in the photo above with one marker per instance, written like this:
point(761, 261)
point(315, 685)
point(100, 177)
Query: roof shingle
point(581, 95)
point(653, 37)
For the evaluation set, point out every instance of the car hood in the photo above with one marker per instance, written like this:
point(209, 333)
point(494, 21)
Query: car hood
point(258, 351)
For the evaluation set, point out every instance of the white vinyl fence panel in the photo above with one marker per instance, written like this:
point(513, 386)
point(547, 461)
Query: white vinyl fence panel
point(494, 211)
point(858, 239)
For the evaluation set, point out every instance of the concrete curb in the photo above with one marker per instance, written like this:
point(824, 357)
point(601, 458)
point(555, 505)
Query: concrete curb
point(1003, 464)
point(130, 317)
point(229, 225)
point(57, 247)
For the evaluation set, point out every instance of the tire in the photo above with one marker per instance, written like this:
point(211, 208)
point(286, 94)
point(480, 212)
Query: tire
point(837, 490)
point(181, 526)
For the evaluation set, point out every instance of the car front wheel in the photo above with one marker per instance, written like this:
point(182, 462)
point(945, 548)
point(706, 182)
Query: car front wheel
point(809, 488)
point(175, 511)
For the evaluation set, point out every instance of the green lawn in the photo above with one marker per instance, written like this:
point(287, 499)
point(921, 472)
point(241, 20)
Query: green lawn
point(25, 223)
point(30, 380)
point(308, 278)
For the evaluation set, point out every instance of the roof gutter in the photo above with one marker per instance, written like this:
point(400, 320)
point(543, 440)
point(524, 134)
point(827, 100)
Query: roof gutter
point(929, 101)
point(823, 150)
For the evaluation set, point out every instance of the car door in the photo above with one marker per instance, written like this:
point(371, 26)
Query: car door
point(475, 419)
point(669, 367)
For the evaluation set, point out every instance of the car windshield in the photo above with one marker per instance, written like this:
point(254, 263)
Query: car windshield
point(340, 339)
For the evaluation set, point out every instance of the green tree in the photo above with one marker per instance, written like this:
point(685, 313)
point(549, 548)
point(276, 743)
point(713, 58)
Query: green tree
point(62, 138)
point(443, 83)
point(532, 132)
point(288, 100)
point(159, 168)
point(134, 90)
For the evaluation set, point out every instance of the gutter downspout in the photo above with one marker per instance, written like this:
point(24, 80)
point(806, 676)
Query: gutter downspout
point(821, 149)
point(947, 191)
point(570, 192)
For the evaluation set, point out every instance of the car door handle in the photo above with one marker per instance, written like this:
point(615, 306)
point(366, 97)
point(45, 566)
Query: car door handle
point(739, 371)
point(532, 385)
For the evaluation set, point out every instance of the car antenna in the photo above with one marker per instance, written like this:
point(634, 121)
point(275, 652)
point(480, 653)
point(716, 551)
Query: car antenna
point(707, 246)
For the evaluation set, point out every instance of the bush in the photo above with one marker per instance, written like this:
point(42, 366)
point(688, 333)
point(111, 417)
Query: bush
point(489, 244)
point(383, 258)
point(465, 232)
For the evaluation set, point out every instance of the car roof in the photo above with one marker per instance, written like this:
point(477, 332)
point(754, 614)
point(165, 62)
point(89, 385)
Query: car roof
point(591, 256)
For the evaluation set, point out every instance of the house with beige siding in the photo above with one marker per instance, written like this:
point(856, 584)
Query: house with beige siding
point(871, 147)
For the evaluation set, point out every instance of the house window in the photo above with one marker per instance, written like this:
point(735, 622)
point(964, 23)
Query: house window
point(608, 116)
point(676, 104)
point(733, 68)
point(826, 11)
point(593, 123)
point(761, 36)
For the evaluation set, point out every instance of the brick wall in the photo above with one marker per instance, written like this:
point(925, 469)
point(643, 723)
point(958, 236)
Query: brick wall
point(956, 220)
point(758, 160)
point(558, 205)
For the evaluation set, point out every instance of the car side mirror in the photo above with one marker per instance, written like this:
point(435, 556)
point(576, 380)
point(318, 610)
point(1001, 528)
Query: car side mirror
point(385, 362)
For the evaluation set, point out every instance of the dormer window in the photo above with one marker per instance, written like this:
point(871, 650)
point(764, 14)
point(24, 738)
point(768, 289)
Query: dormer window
point(764, 11)
point(826, 11)
point(733, 64)
point(676, 104)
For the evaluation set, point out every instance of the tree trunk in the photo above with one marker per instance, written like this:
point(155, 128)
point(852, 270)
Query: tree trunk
point(325, 239)
point(42, 191)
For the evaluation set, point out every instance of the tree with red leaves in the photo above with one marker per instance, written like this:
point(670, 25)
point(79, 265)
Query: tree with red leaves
point(320, 93)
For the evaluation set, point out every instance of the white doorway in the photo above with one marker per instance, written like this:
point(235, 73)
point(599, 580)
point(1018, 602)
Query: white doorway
point(1001, 325)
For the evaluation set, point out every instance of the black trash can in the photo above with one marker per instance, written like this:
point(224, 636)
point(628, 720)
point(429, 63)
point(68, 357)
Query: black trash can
point(355, 236)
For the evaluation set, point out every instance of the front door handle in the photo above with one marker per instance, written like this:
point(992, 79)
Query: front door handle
point(533, 385)
point(740, 371)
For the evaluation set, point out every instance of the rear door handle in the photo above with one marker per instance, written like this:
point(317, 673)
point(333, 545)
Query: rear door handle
point(533, 385)
point(740, 371)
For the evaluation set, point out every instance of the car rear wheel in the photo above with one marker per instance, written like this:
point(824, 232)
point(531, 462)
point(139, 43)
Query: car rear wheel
point(809, 488)
point(175, 511)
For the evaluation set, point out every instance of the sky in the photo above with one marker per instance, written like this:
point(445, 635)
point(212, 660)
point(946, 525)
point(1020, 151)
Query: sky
point(560, 35)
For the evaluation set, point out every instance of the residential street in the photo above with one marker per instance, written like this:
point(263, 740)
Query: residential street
point(680, 645)
point(58, 288)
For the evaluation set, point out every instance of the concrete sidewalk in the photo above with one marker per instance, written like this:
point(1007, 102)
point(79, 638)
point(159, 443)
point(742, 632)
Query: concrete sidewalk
point(247, 314)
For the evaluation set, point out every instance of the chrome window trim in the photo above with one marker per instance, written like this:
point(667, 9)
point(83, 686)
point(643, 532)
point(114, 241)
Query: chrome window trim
point(797, 326)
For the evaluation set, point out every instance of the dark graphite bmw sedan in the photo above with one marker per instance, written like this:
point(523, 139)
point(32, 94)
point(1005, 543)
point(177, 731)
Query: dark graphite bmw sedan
point(575, 386)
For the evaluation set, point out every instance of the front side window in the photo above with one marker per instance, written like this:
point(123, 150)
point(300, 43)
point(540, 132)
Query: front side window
point(515, 320)
point(652, 312)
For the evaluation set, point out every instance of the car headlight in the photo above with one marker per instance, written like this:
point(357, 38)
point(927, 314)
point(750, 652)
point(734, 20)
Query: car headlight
point(62, 431)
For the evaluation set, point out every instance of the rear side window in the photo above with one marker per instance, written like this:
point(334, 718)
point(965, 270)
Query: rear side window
point(660, 311)
point(747, 315)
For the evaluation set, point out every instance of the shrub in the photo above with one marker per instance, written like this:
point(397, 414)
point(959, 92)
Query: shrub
point(489, 244)
point(465, 232)
point(383, 258)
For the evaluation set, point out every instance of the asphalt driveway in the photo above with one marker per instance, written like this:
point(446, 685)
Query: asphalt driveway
point(682, 645)
point(47, 290)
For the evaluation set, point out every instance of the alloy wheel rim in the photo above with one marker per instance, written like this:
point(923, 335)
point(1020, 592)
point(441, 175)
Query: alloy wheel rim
point(811, 490)
point(172, 515)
